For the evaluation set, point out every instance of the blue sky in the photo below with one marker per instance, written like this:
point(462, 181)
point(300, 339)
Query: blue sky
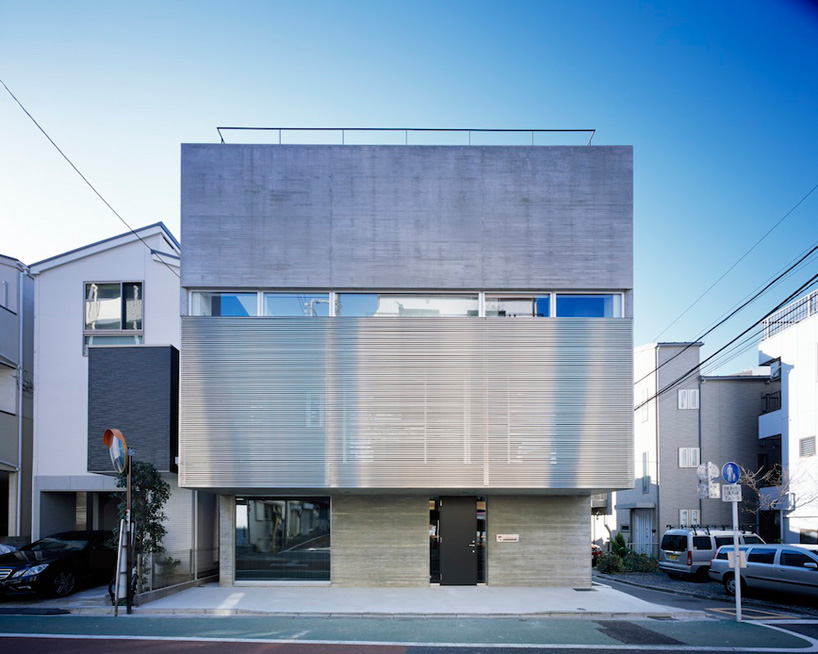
point(718, 99)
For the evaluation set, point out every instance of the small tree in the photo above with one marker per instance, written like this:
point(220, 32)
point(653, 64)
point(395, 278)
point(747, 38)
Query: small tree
point(149, 493)
point(771, 489)
point(619, 546)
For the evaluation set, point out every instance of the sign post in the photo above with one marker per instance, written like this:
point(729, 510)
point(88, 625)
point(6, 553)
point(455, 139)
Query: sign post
point(121, 460)
point(731, 492)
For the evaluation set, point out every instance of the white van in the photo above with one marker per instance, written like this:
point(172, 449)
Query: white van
point(688, 551)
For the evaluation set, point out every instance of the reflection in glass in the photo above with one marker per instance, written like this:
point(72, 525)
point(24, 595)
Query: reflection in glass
point(103, 306)
point(381, 304)
point(133, 305)
point(520, 306)
point(283, 539)
point(223, 304)
point(296, 304)
point(588, 306)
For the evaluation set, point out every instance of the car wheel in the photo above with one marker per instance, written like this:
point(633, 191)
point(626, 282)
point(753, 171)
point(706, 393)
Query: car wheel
point(63, 583)
point(730, 584)
point(702, 574)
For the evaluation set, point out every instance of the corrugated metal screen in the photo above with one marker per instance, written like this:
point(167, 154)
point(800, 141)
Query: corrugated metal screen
point(406, 403)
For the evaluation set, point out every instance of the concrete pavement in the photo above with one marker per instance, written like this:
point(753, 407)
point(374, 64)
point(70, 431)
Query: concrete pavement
point(599, 601)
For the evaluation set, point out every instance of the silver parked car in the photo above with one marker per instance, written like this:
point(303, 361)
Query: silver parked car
point(687, 551)
point(780, 567)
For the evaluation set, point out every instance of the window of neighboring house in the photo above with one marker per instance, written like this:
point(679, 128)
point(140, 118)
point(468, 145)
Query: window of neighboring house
point(643, 411)
point(8, 389)
point(806, 446)
point(688, 517)
point(688, 398)
point(689, 457)
point(113, 314)
point(645, 473)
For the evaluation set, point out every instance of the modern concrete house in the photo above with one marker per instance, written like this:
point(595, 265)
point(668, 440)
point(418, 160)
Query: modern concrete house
point(16, 387)
point(700, 419)
point(788, 427)
point(106, 355)
point(405, 365)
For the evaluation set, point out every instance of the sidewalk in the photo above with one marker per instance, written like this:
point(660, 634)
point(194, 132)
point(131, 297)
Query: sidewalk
point(599, 602)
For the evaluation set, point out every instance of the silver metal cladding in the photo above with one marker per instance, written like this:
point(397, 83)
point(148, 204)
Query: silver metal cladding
point(406, 403)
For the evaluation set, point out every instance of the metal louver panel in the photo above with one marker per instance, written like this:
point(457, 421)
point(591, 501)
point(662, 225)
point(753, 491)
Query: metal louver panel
point(400, 403)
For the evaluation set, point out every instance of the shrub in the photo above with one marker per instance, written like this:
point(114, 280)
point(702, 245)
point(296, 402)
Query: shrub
point(610, 563)
point(638, 562)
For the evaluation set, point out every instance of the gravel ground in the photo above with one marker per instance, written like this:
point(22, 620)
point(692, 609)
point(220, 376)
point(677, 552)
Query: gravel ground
point(713, 590)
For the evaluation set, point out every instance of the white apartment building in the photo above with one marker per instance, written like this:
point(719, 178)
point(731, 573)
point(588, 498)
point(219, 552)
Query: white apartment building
point(789, 425)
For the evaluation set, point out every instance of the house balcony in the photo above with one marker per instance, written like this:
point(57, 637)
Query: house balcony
point(771, 424)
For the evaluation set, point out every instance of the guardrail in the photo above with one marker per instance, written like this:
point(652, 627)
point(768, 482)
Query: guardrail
point(343, 132)
point(790, 315)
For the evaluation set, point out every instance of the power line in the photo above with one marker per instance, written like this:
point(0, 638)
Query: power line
point(85, 179)
point(758, 294)
point(740, 259)
point(680, 379)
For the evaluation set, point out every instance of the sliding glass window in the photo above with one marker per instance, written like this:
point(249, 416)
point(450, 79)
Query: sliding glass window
point(518, 306)
point(283, 539)
point(223, 303)
point(589, 305)
point(296, 304)
point(422, 306)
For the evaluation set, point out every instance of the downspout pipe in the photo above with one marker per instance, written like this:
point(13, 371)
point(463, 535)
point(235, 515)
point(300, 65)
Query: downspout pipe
point(22, 272)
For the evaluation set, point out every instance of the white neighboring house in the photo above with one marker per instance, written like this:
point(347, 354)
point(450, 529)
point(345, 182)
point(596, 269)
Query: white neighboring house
point(16, 369)
point(788, 429)
point(122, 291)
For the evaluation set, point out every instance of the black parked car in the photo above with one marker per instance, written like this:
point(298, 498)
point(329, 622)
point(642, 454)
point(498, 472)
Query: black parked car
point(57, 564)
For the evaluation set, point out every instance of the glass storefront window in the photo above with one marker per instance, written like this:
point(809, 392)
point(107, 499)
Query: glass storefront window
point(588, 306)
point(283, 539)
point(223, 304)
point(538, 306)
point(425, 306)
point(296, 304)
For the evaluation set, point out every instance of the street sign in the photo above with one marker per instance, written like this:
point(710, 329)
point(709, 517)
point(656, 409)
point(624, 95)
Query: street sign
point(709, 489)
point(731, 493)
point(730, 472)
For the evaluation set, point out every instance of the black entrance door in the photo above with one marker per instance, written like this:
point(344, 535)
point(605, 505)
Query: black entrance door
point(458, 546)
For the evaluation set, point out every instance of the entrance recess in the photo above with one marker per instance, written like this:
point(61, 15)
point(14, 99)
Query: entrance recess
point(458, 541)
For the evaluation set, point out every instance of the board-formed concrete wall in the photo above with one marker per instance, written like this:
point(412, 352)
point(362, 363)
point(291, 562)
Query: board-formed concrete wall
point(380, 540)
point(554, 548)
point(407, 217)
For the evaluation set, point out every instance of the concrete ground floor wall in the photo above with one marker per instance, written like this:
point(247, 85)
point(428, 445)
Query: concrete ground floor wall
point(384, 540)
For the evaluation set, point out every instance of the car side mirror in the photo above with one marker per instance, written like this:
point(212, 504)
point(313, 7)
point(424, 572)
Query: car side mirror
point(811, 565)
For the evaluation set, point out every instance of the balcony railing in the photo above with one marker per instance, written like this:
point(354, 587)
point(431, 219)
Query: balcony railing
point(770, 402)
point(411, 135)
point(790, 315)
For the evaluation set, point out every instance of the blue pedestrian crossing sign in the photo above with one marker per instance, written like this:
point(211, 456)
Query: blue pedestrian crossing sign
point(730, 472)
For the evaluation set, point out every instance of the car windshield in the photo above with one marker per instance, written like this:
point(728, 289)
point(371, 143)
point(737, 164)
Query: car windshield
point(56, 544)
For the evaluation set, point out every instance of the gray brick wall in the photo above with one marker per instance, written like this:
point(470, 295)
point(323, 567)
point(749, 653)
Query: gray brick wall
point(135, 390)
point(555, 541)
point(380, 540)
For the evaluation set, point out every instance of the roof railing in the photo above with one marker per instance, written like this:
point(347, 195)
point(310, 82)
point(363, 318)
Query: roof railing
point(406, 131)
point(790, 315)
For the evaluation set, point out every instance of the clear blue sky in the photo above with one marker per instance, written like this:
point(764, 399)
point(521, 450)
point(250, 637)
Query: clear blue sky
point(718, 99)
